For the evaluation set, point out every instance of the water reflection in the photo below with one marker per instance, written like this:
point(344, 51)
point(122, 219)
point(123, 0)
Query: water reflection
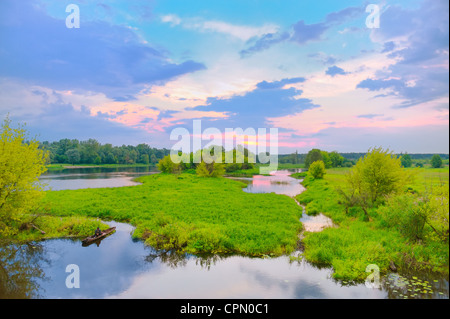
point(122, 267)
point(94, 177)
point(241, 277)
point(279, 182)
point(20, 270)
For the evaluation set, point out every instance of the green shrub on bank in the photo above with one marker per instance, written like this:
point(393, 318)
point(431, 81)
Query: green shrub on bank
point(317, 169)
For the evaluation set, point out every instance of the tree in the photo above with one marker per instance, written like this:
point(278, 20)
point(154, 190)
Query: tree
point(166, 165)
point(378, 174)
point(336, 159)
point(97, 160)
point(153, 158)
point(73, 156)
point(144, 159)
point(317, 169)
point(436, 161)
point(21, 164)
point(326, 159)
point(406, 160)
point(312, 156)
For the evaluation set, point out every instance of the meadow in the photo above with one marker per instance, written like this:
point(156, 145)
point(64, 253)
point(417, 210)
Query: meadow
point(357, 242)
point(190, 214)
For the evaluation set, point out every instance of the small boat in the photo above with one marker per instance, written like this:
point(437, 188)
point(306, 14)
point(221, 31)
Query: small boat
point(94, 238)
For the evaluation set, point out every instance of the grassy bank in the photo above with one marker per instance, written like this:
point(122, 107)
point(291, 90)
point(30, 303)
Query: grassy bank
point(357, 241)
point(191, 214)
point(32, 228)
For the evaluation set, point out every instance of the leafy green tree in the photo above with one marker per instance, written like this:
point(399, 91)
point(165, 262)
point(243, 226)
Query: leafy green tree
point(336, 159)
point(110, 159)
point(326, 159)
point(21, 164)
point(378, 174)
point(97, 160)
point(144, 159)
point(436, 161)
point(313, 156)
point(317, 169)
point(153, 158)
point(406, 160)
point(73, 156)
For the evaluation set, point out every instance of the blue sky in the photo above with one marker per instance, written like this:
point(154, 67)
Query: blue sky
point(135, 70)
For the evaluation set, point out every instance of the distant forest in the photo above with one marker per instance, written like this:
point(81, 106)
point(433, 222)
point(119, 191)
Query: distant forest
point(73, 151)
point(92, 152)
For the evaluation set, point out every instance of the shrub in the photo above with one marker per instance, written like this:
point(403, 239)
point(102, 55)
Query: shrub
point(210, 170)
point(405, 213)
point(317, 169)
point(436, 161)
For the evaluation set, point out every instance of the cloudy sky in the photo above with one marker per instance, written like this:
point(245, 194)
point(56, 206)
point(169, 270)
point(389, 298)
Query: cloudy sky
point(135, 70)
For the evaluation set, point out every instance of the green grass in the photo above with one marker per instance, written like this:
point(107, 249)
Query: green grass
point(356, 242)
point(56, 227)
point(244, 172)
point(191, 214)
point(425, 178)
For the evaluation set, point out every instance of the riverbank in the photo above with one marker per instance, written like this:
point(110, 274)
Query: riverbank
point(31, 228)
point(358, 242)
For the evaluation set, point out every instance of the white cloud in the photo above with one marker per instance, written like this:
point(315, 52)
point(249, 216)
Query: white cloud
point(241, 32)
point(171, 18)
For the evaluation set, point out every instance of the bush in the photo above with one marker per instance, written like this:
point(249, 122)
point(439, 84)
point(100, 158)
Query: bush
point(210, 170)
point(317, 169)
point(436, 161)
point(407, 214)
point(312, 209)
point(419, 218)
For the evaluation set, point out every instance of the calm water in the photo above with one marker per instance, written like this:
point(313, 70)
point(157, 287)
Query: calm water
point(96, 177)
point(120, 267)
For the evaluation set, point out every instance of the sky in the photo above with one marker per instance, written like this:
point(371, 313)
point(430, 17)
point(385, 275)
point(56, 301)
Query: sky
point(325, 73)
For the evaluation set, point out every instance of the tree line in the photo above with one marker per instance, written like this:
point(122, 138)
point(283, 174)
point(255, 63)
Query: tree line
point(73, 151)
point(350, 159)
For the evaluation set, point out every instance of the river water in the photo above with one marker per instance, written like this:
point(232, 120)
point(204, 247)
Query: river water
point(120, 267)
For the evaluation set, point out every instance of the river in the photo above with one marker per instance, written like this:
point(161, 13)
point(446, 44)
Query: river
point(120, 267)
